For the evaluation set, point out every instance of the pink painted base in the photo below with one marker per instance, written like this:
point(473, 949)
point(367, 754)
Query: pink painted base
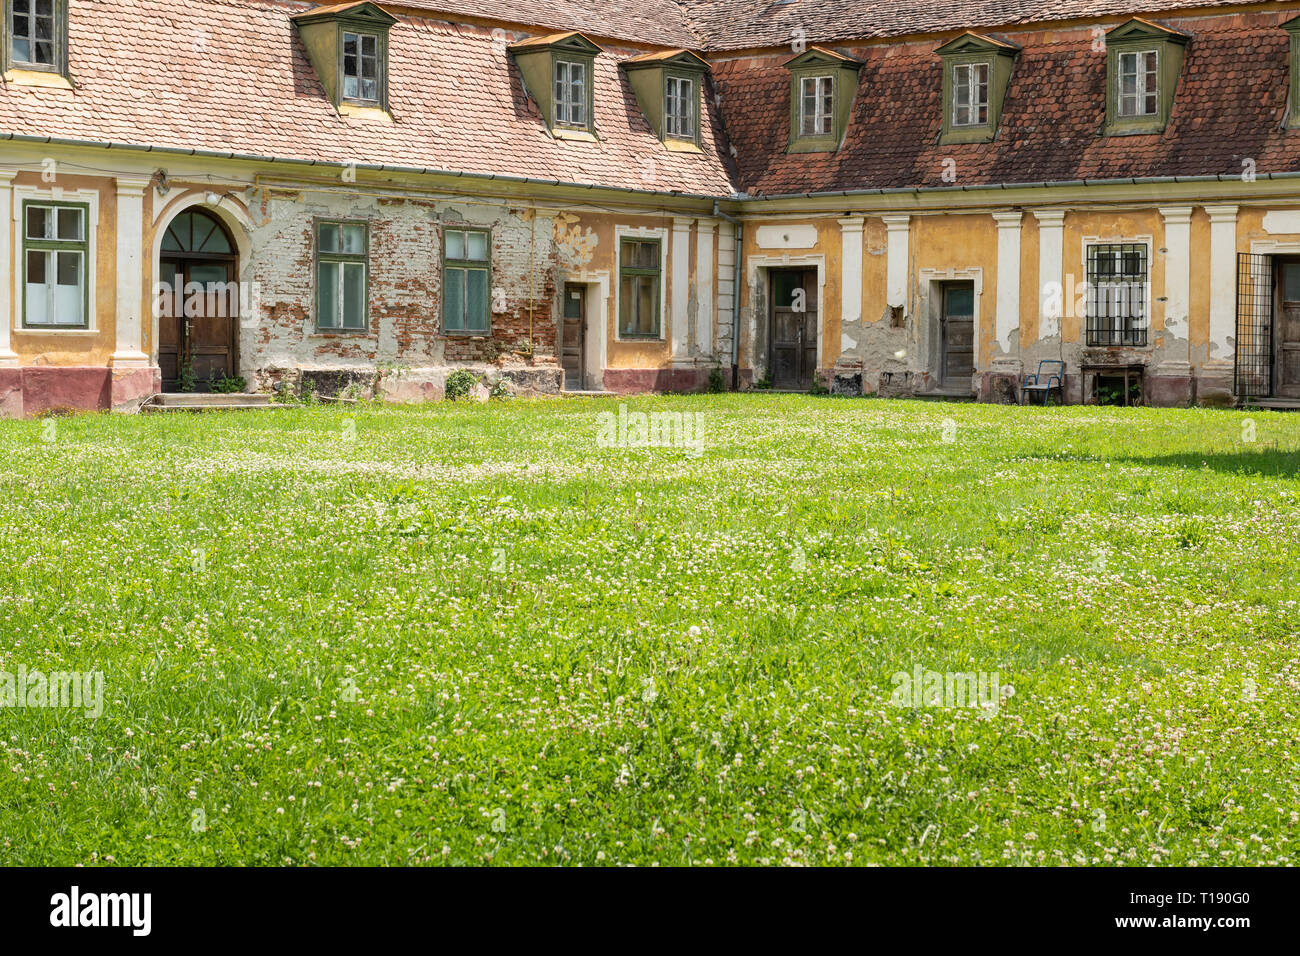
point(629, 381)
point(33, 389)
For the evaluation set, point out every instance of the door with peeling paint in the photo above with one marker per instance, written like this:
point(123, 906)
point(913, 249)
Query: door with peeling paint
point(574, 344)
point(958, 330)
point(794, 328)
point(1287, 354)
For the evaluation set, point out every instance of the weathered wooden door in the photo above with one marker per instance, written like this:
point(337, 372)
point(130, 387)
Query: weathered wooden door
point(1286, 369)
point(574, 342)
point(199, 320)
point(794, 328)
point(958, 334)
point(198, 329)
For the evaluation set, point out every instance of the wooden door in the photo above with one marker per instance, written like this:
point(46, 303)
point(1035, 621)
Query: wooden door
point(794, 328)
point(1286, 369)
point(573, 344)
point(199, 328)
point(958, 334)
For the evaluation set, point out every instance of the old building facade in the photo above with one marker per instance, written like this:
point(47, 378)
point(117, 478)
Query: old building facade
point(906, 199)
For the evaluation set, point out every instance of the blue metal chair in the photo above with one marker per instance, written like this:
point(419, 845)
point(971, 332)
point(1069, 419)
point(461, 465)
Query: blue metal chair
point(1050, 375)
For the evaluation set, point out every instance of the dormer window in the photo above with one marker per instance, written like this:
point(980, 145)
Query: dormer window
point(976, 74)
point(817, 106)
point(668, 85)
point(970, 94)
point(361, 67)
point(1143, 61)
point(1139, 83)
point(571, 94)
point(35, 32)
point(1292, 27)
point(559, 74)
point(348, 47)
point(823, 84)
point(679, 107)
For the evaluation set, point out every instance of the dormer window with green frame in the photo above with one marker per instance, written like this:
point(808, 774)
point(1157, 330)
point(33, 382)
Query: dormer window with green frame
point(559, 74)
point(1143, 62)
point(976, 74)
point(348, 47)
point(669, 87)
point(1292, 27)
point(822, 86)
point(36, 35)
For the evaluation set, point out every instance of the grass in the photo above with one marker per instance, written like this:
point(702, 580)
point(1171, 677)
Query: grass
point(460, 634)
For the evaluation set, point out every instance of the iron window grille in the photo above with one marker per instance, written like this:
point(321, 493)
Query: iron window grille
point(1254, 347)
point(1117, 294)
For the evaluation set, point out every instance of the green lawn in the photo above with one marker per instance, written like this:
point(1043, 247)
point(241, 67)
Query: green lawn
point(469, 633)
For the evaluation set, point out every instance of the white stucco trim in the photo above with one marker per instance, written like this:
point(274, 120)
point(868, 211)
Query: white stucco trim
point(1178, 273)
point(643, 232)
point(1006, 318)
point(1051, 267)
point(680, 314)
point(896, 264)
point(8, 357)
point(129, 307)
point(704, 344)
point(851, 269)
point(1223, 282)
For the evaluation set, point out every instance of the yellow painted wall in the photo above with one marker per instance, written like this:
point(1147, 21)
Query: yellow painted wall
point(72, 347)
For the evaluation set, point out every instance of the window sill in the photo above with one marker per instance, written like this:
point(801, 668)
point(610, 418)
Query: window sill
point(461, 334)
point(814, 144)
point(574, 135)
point(358, 111)
point(681, 146)
point(644, 339)
point(55, 330)
point(44, 78)
point(339, 333)
point(967, 134)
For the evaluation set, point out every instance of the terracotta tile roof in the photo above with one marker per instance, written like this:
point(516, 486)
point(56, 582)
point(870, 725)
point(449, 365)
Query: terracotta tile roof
point(657, 22)
point(753, 24)
point(233, 76)
point(1229, 107)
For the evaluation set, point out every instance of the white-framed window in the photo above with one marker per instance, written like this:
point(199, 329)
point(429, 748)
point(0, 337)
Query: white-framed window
point(1139, 83)
point(342, 265)
point(55, 253)
point(817, 105)
point(361, 67)
point(970, 94)
point(571, 93)
point(679, 114)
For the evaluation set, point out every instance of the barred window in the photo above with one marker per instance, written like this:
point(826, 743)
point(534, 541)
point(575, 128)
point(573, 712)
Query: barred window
point(970, 94)
point(1117, 294)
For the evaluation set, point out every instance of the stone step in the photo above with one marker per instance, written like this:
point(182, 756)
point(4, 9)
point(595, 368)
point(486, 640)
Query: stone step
point(584, 393)
point(209, 399)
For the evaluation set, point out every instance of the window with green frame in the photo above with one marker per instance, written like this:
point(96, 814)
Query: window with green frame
point(466, 274)
point(342, 274)
point(639, 272)
point(55, 250)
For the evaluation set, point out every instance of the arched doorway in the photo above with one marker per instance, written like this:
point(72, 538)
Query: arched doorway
point(198, 321)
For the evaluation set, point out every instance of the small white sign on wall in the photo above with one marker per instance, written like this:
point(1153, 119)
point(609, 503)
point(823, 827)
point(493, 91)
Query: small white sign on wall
point(786, 237)
point(1282, 222)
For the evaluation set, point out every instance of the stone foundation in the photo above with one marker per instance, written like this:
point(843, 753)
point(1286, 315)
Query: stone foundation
point(631, 381)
